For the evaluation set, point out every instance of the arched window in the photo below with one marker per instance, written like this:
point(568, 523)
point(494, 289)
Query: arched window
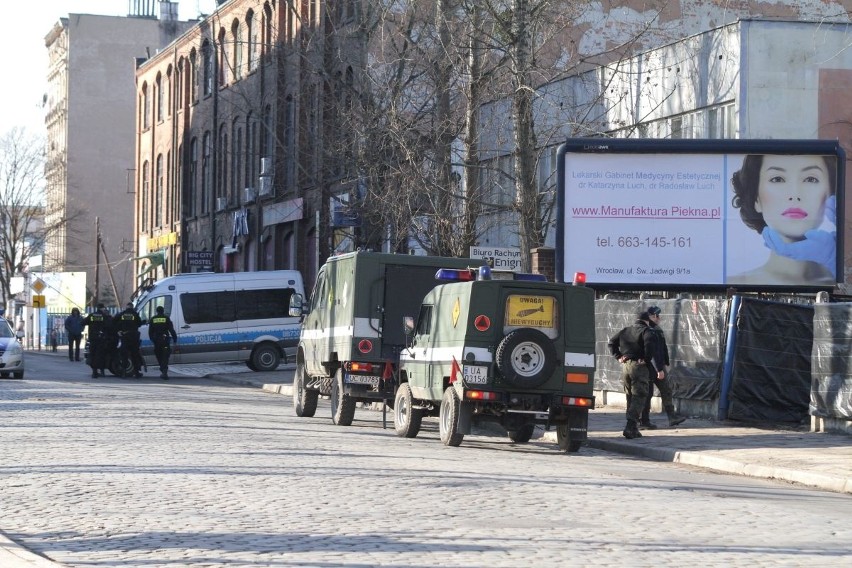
point(146, 188)
point(167, 92)
point(237, 170)
point(144, 108)
point(222, 56)
point(206, 177)
point(192, 180)
point(178, 84)
point(237, 38)
point(267, 30)
point(193, 76)
point(251, 152)
point(161, 98)
point(251, 32)
point(222, 167)
point(207, 54)
point(158, 192)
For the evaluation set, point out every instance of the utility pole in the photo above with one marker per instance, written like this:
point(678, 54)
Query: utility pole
point(97, 262)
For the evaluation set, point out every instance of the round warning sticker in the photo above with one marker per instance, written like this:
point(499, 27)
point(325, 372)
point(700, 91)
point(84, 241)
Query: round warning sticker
point(482, 323)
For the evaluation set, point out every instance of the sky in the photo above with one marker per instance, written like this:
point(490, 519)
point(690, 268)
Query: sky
point(23, 56)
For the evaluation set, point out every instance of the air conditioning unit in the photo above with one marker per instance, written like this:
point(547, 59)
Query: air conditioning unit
point(266, 166)
point(249, 195)
point(266, 186)
point(221, 203)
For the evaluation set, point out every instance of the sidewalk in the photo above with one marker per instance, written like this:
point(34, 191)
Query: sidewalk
point(818, 460)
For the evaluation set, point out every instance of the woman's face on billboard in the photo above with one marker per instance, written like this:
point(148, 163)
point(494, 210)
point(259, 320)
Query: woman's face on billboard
point(792, 193)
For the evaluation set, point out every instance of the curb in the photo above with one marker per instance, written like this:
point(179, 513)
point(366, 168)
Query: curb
point(13, 555)
point(831, 483)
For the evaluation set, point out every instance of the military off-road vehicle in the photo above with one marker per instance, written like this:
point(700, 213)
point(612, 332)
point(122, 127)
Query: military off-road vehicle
point(351, 335)
point(514, 352)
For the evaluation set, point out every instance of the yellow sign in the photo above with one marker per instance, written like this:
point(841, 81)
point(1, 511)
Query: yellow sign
point(530, 311)
point(456, 312)
point(38, 302)
point(39, 286)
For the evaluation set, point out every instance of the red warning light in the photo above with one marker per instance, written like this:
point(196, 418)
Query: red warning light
point(482, 323)
point(579, 279)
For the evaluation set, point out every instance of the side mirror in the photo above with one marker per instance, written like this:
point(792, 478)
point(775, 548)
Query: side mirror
point(296, 305)
point(408, 326)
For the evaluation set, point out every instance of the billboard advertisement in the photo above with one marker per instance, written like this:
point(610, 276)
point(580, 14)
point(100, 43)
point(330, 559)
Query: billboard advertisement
point(750, 214)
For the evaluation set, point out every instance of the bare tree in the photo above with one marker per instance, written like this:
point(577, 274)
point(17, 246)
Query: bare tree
point(22, 230)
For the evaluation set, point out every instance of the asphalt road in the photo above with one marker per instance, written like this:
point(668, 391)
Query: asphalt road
point(191, 472)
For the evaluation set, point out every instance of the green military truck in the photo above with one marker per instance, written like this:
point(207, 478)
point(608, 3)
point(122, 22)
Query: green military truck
point(352, 334)
point(514, 352)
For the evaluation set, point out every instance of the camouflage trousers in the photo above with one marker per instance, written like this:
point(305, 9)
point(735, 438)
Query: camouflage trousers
point(635, 379)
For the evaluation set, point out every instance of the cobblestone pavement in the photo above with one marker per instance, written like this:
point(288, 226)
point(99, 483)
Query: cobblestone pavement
point(200, 473)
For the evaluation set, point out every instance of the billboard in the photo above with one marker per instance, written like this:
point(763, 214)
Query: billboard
point(749, 214)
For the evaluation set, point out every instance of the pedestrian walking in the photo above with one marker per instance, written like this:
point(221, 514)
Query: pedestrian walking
point(74, 328)
point(53, 339)
point(127, 325)
point(161, 331)
point(99, 326)
point(664, 385)
point(634, 346)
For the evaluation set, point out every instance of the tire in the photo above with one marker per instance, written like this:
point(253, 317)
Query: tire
point(342, 405)
point(304, 400)
point(563, 439)
point(265, 357)
point(523, 434)
point(18, 374)
point(448, 420)
point(406, 418)
point(250, 365)
point(115, 364)
point(526, 358)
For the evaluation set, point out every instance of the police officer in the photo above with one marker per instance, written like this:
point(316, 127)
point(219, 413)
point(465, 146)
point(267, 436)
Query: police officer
point(127, 324)
point(635, 347)
point(161, 330)
point(664, 384)
point(98, 323)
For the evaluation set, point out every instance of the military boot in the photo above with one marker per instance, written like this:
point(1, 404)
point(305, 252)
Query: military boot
point(631, 430)
point(646, 424)
point(674, 417)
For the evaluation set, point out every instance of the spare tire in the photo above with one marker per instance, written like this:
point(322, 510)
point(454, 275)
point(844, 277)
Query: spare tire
point(526, 358)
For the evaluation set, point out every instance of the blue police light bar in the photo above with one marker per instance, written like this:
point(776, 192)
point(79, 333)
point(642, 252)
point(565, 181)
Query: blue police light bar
point(484, 273)
point(530, 277)
point(456, 275)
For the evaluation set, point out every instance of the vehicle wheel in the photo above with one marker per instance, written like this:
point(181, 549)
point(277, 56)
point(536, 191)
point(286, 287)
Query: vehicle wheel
point(342, 405)
point(4, 374)
point(563, 439)
point(18, 374)
point(265, 357)
point(448, 421)
point(526, 358)
point(115, 365)
point(406, 418)
point(304, 400)
point(523, 434)
point(250, 365)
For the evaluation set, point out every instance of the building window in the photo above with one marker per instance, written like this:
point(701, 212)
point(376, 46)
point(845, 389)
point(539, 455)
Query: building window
point(289, 153)
point(192, 180)
point(178, 187)
point(221, 67)
point(193, 77)
point(237, 172)
point(222, 166)
point(251, 30)
point(145, 107)
point(158, 193)
point(146, 183)
point(251, 151)
point(207, 54)
point(237, 36)
point(178, 85)
point(167, 92)
point(161, 98)
point(206, 178)
point(267, 30)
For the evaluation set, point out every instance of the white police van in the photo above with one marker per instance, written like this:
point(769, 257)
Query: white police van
point(239, 316)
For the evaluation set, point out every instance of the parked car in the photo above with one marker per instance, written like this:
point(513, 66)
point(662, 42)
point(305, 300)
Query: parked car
point(11, 351)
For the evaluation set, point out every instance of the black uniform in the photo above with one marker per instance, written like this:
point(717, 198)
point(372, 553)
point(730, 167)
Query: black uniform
point(635, 346)
point(127, 325)
point(99, 324)
point(161, 331)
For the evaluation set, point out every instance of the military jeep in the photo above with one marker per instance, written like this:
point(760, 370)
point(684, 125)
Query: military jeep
point(517, 352)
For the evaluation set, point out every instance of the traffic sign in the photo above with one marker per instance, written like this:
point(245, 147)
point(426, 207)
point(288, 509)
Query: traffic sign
point(38, 302)
point(39, 285)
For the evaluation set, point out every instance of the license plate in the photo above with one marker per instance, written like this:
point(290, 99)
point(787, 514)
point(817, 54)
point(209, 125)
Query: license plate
point(362, 380)
point(475, 374)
